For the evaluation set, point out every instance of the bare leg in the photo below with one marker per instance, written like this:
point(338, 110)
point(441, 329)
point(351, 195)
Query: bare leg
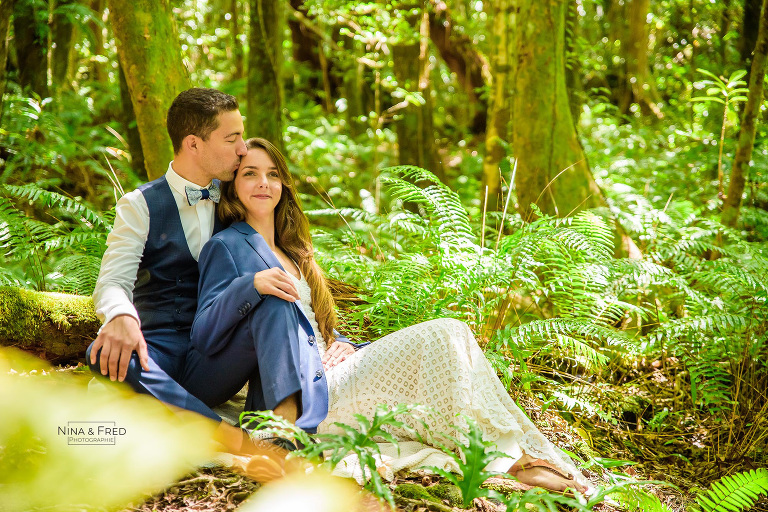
point(288, 409)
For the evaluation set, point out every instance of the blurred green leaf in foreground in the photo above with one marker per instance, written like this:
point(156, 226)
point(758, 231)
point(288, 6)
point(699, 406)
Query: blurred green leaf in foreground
point(65, 448)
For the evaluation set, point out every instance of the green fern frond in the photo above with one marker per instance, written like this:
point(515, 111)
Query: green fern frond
point(714, 323)
point(736, 492)
point(49, 199)
point(553, 327)
point(76, 274)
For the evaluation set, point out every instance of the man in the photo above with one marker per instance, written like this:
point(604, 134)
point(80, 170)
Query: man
point(146, 293)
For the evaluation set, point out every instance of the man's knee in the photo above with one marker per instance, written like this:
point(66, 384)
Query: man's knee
point(134, 366)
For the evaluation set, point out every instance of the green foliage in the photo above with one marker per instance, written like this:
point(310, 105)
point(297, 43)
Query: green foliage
point(736, 492)
point(44, 466)
point(360, 441)
point(475, 456)
point(63, 254)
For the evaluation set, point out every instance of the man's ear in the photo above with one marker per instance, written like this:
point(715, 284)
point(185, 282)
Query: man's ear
point(191, 143)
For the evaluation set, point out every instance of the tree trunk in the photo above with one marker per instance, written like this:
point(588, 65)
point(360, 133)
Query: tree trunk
point(415, 135)
point(552, 171)
point(61, 35)
point(732, 202)
point(639, 85)
point(749, 29)
point(30, 30)
point(460, 55)
point(265, 89)
point(130, 127)
point(237, 55)
point(96, 68)
point(573, 65)
point(355, 88)
point(6, 9)
point(497, 135)
point(149, 51)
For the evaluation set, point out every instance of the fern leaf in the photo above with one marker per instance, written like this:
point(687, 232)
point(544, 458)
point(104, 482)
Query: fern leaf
point(736, 492)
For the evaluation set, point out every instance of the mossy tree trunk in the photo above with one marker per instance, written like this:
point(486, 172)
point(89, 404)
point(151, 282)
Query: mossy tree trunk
point(732, 203)
point(502, 15)
point(552, 170)
point(355, 87)
point(54, 326)
point(61, 35)
point(97, 69)
point(265, 89)
point(638, 85)
point(460, 55)
point(30, 29)
point(130, 128)
point(415, 134)
point(749, 29)
point(6, 9)
point(150, 54)
point(235, 29)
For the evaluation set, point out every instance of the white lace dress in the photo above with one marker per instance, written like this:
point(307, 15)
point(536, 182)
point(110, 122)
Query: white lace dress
point(440, 365)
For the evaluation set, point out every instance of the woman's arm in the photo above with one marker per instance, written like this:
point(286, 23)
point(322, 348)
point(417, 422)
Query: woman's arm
point(224, 297)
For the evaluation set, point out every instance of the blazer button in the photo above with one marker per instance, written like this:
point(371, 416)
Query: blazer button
point(319, 374)
point(247, 305)
point(311, 340)
point(178, 311)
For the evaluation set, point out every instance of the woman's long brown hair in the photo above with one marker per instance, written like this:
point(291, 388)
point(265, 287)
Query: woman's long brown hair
point(291, 235)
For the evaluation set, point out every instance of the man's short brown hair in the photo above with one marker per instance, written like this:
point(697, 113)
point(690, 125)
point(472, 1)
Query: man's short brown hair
point(195, 112)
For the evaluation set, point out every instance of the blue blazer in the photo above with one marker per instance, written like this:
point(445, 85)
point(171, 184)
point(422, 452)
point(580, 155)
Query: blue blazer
point(228, 263)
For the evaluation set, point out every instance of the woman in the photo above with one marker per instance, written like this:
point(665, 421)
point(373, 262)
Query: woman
point(265, 313)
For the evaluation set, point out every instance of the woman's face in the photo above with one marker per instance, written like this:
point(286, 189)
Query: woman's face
point(258, 185)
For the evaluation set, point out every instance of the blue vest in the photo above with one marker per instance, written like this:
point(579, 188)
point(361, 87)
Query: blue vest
point(165, 291)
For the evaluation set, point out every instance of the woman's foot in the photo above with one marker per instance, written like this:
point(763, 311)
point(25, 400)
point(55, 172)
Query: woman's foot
point(540, 473)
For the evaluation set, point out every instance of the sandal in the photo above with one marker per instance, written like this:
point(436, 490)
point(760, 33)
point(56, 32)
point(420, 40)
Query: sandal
point(540, 463)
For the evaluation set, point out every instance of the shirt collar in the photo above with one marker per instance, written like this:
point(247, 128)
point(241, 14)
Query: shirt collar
point(178, 183)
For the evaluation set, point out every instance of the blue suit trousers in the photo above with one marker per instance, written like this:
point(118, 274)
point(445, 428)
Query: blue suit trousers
point(167, 355)
point(264, 351)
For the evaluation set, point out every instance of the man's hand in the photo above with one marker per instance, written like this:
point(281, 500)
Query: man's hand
point(118, 340)
point(277, 282)
point(336, 353)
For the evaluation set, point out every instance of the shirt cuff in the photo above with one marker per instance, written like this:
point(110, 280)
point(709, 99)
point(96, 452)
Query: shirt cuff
point(116, 311)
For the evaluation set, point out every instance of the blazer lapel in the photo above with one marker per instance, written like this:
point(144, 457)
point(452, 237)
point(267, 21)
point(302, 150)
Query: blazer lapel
point(259, 245)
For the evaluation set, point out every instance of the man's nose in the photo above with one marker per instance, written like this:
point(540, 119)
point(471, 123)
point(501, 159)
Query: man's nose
point(241, 150)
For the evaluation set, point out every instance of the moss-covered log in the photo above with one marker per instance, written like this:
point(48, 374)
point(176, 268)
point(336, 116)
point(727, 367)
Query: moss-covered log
point(58, 327)
point(54, 326)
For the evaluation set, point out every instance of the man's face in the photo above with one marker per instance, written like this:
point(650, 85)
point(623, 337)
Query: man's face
point(220, 153)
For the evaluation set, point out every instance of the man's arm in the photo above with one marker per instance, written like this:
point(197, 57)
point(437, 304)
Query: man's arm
point(120, 334)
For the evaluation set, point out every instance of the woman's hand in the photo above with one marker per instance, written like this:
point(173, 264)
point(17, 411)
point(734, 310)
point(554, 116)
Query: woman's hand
point(277, 282)
point(336, 353)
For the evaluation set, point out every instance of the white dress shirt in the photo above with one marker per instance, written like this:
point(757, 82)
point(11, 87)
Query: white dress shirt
point(113, 294)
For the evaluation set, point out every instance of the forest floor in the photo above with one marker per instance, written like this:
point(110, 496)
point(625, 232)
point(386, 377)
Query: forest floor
point(680, 458)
